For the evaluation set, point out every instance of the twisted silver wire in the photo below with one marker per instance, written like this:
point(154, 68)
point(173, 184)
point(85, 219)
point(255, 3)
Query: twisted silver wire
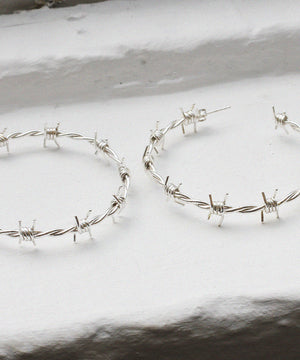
point(113, 208)
point(294, 126)
point(178, 195)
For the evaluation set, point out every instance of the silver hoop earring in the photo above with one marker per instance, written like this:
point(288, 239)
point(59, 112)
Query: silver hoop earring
point(80, 226)
point(193, 117)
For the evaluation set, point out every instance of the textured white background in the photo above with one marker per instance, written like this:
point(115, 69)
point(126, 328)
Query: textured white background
point(160, 256)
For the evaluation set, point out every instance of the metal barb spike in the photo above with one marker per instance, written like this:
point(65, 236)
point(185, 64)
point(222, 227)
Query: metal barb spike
point(172, 191)
point(281, 119)
point(194, 115)
point(100, 145)
point(271, 205)
point(27, 234)
point(82, 226)
point(157, 137)
point(217, 208)
point(51, 134)
point(4, 140)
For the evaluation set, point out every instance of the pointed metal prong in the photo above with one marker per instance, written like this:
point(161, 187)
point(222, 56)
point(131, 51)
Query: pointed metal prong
point(33, 224)
point(182, 128)
point(27, 234)
point(57, 144)
point(211, 200)
point(20, 231)
point(82, 226)
point(182, 125)
point(225, 198)
point(167, 180)
point(221, 220)
point(88, 214)
point(265, 198)
point(217, 208)
point(270, 206)
point(95, 143)
point(4, 140)
point(77, 221)
point(163, 143)
point(51, 134)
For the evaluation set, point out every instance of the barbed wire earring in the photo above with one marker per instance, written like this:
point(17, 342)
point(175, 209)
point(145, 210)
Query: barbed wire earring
point(81, 226)
point(193, 117)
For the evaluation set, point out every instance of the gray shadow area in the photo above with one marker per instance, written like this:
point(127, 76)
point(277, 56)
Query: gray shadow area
point(10, 6)
point(146, 72)
point(264, 335)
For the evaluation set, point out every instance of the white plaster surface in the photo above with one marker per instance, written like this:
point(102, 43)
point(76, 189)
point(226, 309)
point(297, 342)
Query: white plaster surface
point(161, 261)
point(113, 27)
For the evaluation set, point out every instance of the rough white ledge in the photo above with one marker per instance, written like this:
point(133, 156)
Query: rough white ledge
point(146, 277)
point(129, 48)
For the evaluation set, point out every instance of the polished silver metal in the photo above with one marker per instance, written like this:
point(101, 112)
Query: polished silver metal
point(217, 208)
point(157, 136)
point(4, 140)
point(51, 134)
point(84, 225)
point(119, 201)
point(271, 205)
point(27, 234)
point(282, 120)
point(172, 191)
point(193, 117)
point(101, 145)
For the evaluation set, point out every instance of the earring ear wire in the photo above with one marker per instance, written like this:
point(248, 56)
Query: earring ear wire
point(193, 117)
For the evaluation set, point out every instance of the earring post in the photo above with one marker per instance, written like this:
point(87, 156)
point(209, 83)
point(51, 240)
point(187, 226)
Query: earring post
point(217, 110)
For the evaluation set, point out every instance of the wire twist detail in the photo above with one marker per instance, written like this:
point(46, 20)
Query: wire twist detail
point(215, 208)
point(31, 234)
